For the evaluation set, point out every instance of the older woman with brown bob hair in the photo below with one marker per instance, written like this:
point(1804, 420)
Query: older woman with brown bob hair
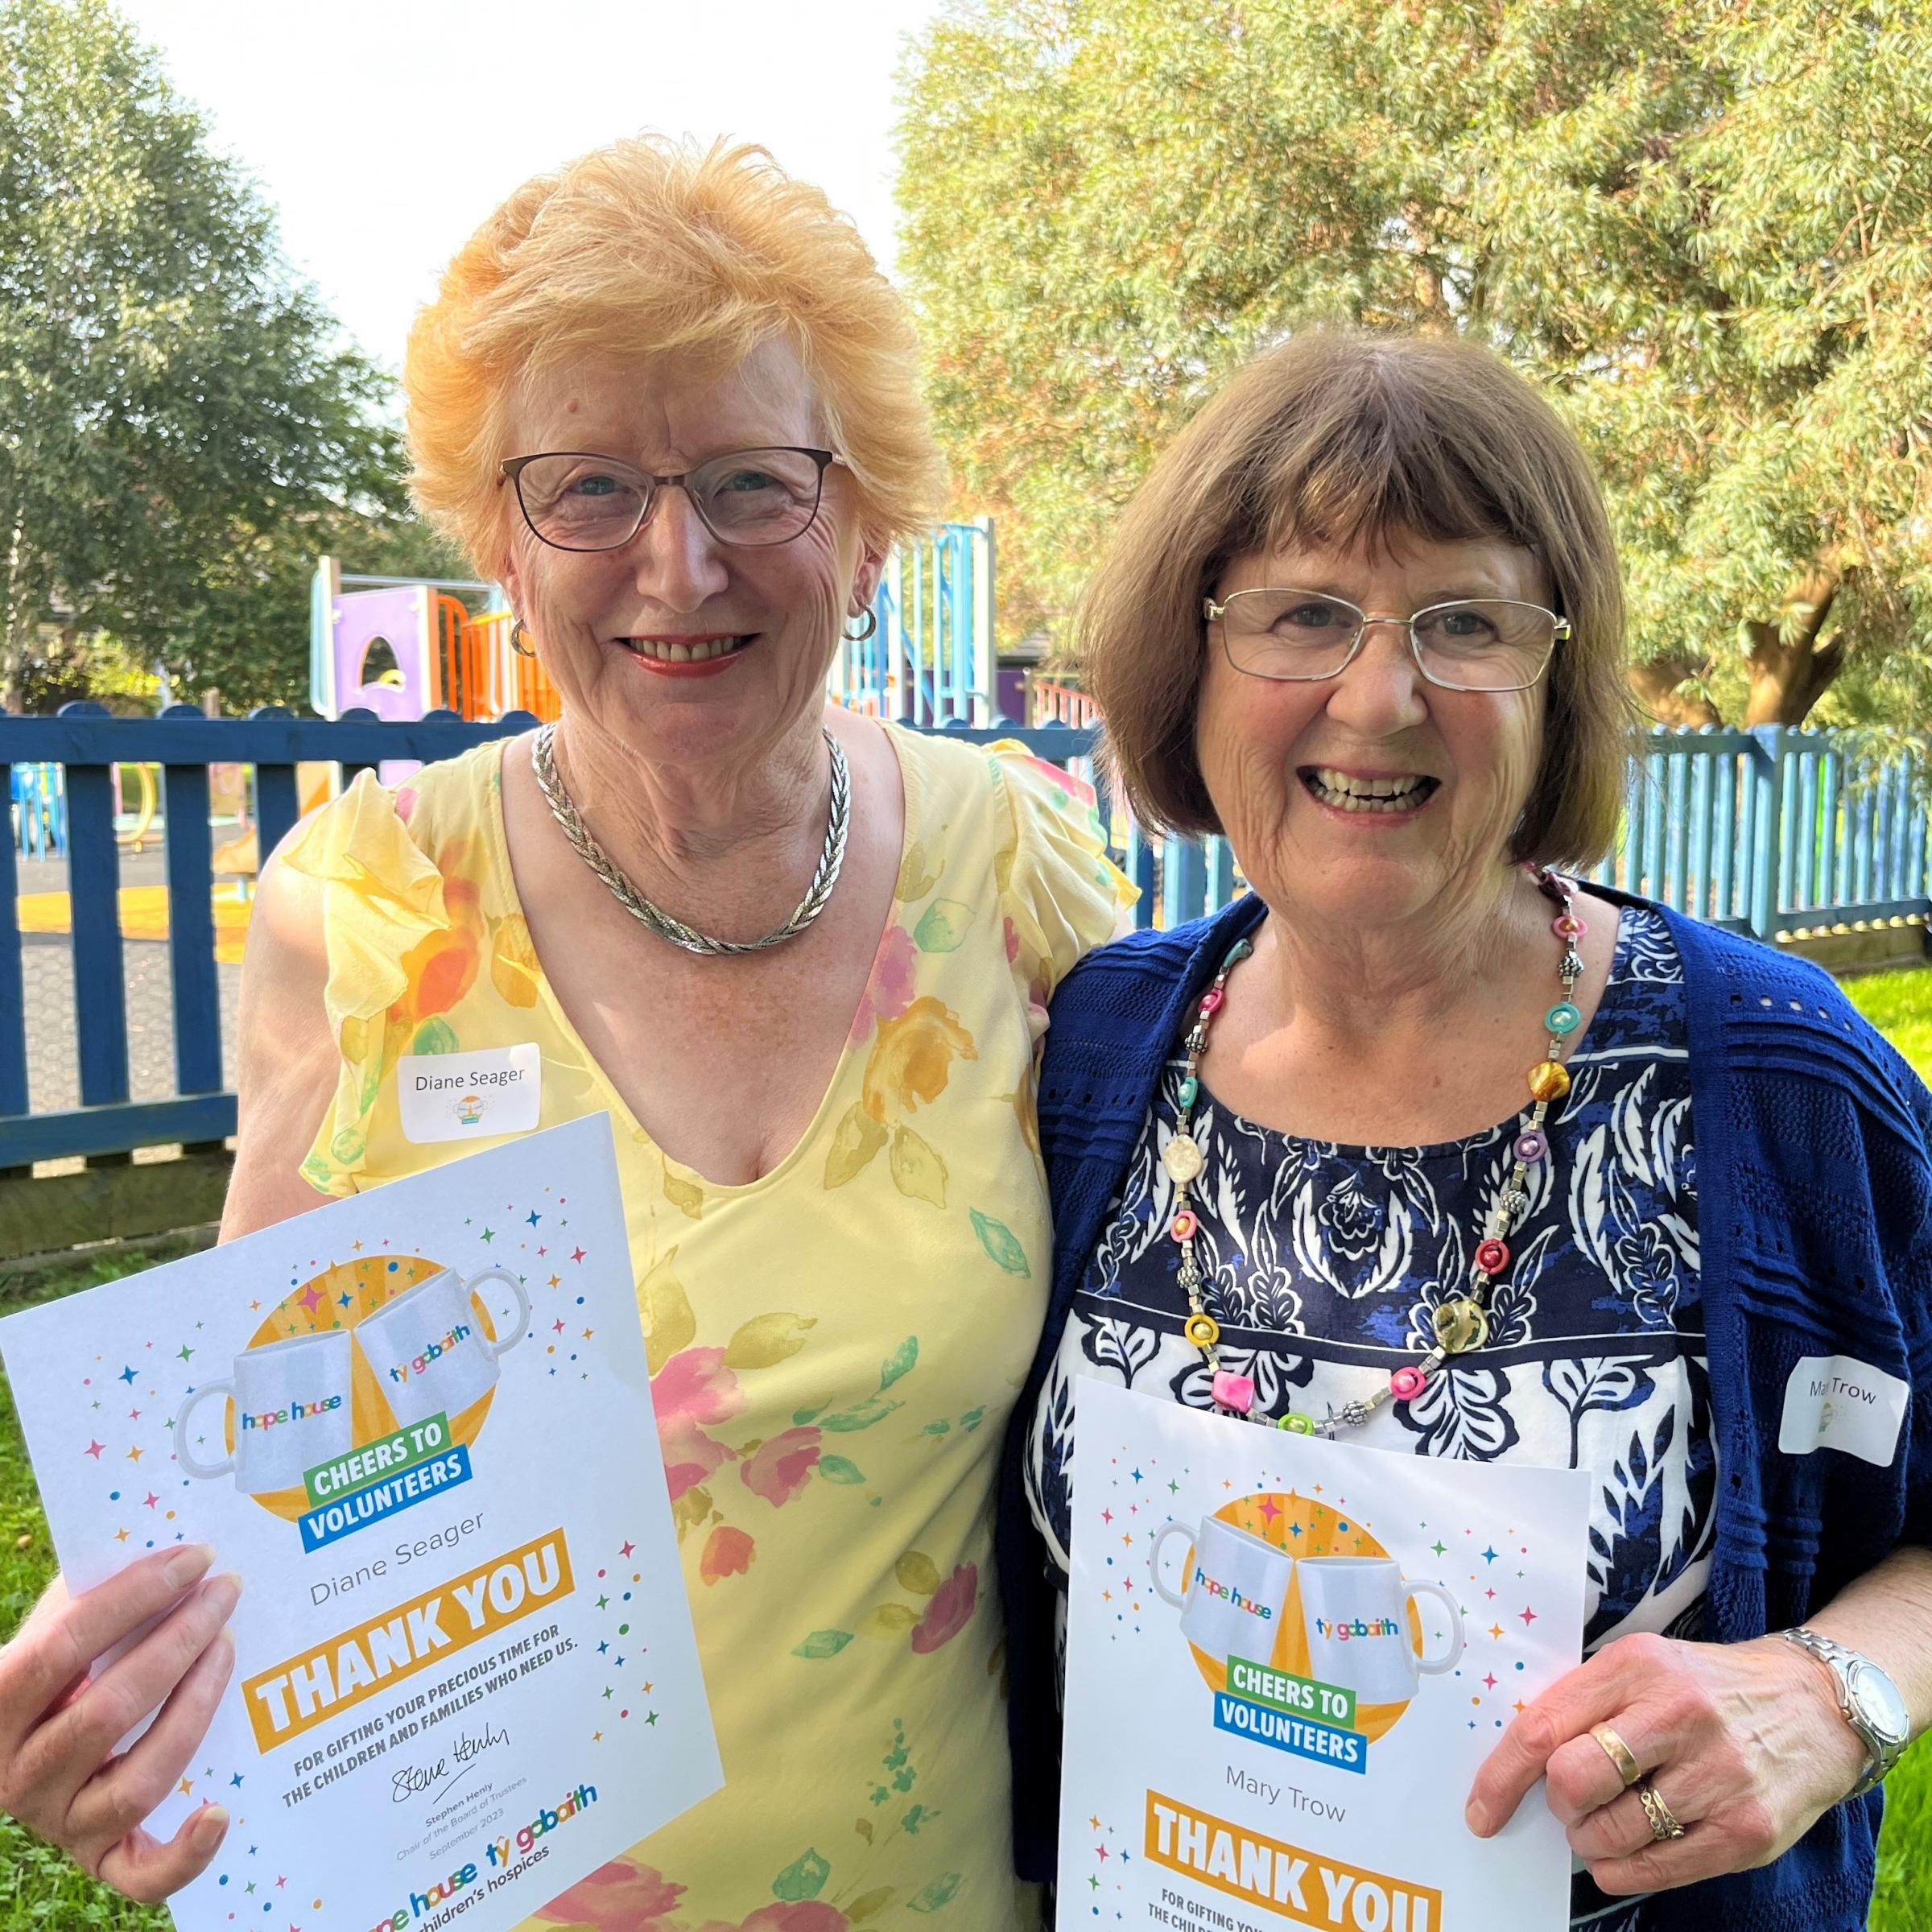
point(800, 959)
point(1422, 1144)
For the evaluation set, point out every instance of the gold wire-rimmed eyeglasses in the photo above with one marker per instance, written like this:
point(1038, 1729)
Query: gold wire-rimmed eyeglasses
point(1467, 644)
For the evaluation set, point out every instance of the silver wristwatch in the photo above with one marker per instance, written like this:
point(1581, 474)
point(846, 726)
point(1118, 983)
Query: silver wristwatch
point(1869, 1700)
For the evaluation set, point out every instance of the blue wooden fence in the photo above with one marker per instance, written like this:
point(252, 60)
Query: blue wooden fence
point(1765, 831)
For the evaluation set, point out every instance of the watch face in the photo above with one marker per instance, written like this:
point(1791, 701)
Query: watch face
point(1878, 1704)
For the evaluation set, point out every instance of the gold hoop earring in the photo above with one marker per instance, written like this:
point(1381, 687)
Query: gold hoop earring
point(516, 634)
point(871, 624)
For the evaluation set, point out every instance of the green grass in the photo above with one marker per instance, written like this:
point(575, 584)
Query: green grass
point(1899, 1005)
point(41, 1891)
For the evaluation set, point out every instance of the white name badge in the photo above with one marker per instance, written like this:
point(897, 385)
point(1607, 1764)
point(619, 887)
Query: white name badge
point(470, 1097)
point(1836, 1402)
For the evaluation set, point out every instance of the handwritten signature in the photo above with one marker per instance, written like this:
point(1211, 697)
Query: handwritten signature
point(412, 1781)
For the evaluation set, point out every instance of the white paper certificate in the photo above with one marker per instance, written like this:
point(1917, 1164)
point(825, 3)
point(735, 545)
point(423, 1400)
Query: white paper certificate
point(1287, 1658)
point(418, 1423)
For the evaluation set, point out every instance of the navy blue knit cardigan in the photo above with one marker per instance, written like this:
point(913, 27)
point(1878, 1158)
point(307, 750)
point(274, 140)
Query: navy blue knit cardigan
point(1814, 1210)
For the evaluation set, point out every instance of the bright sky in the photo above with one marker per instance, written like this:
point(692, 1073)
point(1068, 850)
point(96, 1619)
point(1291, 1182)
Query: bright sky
point(383, 131)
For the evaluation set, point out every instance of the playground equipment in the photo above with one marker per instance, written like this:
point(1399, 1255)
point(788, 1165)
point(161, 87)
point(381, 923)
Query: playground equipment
point(38, 800)
point(930, 659)
point(403, 646)
point(134, 838)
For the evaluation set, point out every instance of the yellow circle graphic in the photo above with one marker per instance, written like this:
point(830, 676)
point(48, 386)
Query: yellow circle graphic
point(1305, 1526)
point(340, 1298)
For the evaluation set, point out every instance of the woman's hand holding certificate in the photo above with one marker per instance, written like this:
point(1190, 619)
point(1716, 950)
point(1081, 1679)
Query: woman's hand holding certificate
point(60, 1773)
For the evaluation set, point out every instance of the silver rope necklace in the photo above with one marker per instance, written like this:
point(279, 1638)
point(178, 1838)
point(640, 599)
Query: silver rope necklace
point(543, 758)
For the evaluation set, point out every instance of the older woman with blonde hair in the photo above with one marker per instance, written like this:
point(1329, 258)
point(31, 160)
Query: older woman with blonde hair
point(801, 959)
point(1424, 1144)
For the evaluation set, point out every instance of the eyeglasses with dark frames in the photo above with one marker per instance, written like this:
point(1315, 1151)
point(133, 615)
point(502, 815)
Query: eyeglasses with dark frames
point(1307, 636)
point(748, 498)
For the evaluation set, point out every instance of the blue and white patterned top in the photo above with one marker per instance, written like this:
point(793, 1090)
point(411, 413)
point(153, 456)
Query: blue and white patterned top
point(1323, 1262)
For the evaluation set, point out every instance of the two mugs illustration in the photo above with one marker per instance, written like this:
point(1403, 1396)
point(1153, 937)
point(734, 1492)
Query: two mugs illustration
point(293, 1399)
point(1344, 1620)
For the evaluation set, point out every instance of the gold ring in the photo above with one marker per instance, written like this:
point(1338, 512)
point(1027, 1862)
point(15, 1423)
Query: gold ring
point(1619, 1754)
point(1663, 1820)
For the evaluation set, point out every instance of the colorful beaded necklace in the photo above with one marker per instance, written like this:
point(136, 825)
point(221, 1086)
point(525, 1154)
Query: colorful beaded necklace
point(1462, 1325)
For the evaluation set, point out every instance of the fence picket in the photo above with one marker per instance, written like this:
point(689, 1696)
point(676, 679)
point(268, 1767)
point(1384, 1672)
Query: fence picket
point(1862, 842)
point(1834, 830)
point(1697, 858)
point(93, 883)
point(1725, 770)
point(1898, 781)
point(1805, 829)
point(12, 985)
point(191, 923)
point(1677, 830)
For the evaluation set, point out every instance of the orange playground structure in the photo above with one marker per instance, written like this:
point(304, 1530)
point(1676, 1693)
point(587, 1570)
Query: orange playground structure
point(402, 647)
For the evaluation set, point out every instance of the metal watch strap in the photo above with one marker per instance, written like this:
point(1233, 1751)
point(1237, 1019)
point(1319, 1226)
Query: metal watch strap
point(1839, 1660)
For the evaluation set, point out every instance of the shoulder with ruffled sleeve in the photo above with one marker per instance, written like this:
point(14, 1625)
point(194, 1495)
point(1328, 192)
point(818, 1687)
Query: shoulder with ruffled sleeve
point(415, 908)
point(1062, 895)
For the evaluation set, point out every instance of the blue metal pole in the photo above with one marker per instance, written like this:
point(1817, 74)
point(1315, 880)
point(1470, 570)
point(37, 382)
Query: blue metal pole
point(1186, 881)
point(1220, 874)
point(1140, 870)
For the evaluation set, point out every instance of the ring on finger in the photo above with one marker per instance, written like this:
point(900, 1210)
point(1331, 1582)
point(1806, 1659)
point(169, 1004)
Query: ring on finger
point(1619, 1754)
point(1664, 1824)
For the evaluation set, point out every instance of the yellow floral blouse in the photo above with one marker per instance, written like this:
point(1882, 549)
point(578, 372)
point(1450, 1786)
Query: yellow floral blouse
point(834, 1348)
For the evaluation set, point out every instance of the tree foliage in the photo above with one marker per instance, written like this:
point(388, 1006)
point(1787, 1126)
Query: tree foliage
point(180, 428)
point(1704, 226)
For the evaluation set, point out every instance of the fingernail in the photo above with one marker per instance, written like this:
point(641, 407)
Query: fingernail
point(224, 1592)
point(185, 1565)
point(1477, 1817)
point(211, 1824)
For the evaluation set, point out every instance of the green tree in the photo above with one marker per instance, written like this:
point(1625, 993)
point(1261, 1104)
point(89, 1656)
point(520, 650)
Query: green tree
point(176, 415)
point(1705, 226)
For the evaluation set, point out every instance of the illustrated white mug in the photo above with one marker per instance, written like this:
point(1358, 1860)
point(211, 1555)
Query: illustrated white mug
point(1233, 1592)
point(426, 1351)
point(1356, 1612)
point(292, 1412)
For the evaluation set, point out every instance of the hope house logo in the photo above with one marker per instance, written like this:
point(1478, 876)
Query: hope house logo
point(1231, 1595)
point(1346, 1630)
point(434, 1351)
point(469, 1109)
point(292, 1412)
